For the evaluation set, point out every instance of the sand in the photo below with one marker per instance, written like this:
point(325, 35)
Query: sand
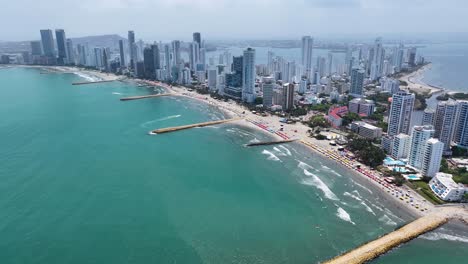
point(416, 84)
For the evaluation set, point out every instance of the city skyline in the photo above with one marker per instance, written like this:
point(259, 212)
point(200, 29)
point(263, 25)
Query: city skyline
point(215, 18)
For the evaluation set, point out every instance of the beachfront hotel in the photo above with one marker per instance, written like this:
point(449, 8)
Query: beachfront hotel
point(446, 189)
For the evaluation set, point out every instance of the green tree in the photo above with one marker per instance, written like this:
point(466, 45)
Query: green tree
point(318, 121)
point(258, 100)
point(349, 118)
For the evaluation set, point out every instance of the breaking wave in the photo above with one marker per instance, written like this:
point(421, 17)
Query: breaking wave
point(315, 181)
point(160, 119)
point(279, 152)
point(341, 213)
point(387, 220)
point(286, 150)
point(270, 155)
point(441, 236)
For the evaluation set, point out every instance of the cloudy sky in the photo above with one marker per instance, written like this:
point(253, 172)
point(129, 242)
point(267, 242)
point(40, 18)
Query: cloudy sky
point(229, 19)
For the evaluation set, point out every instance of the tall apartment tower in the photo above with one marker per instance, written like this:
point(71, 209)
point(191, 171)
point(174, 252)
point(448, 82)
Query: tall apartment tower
point(61, 46)
point(122, 53)
point(132, 49)
point(357, 82)
point(248, 76)
point(419, 136)
point(307, 45)
point(47, 40)
point(401, 110)
point(445, 118)
point(460, 136)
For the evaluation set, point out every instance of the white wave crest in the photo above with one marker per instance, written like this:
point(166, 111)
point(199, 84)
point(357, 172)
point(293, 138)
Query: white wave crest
point(116, 93)
point(279, 152)
point(304, 166)
point(387, 220)
point(270, 155)
point(362, 186)
point(341, 213)
point(315, 181)
point(352, 196)
point(160, 119)
point(286, 150)
point(86, 77)
point(439, 236)
point(368, 209)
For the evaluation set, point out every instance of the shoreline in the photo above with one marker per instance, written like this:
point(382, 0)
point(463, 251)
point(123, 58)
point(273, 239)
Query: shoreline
point(415, 82)
point(270, 125)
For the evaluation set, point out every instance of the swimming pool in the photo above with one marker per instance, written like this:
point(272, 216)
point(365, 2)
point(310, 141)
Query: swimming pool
point(413, 177)
point(391, 162)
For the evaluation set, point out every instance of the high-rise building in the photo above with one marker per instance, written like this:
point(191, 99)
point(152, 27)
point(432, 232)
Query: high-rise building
point(412, 57)
point(248, 76)
point(377, 60)
point(47, 39)
point(194, 55)
point(401, 110)
point(303, 86)
point(122, 54)
point(288, 96)
point(432, 158)
point(197, 38)
point(148, 59)
point(445, 118)
point(267, 87)
point(176, 60)
point(419, 136)
point(61, 46)
point(70, 52)
point(330, 64)
point(460, 136)
point(36, 48)
point(132, 49)
point(167, 60)
point(398, 58)
point(400, 148)
point(428, 117)
point(357, 82)
point(307, 45)
point(212, 79)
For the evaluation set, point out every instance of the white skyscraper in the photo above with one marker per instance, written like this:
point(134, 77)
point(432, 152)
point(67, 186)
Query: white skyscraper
point(445, 118)
point(377, 60)
point(248, 75)
point(432, 157)
point(167, 60)
point(401, 110)
point(330, 64)
point(401, 144)
point(176, 59)
point(419, 136)
point(307, 45)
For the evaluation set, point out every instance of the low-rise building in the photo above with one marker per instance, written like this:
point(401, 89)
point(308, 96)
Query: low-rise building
point(446, 189)
point(366, 130)
point(335, 114)
point(361, 106)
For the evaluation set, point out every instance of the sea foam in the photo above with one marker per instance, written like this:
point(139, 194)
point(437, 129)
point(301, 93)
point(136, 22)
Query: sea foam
point(315, 181)
point(439, 236)
point(341, 213)
point(270, 155)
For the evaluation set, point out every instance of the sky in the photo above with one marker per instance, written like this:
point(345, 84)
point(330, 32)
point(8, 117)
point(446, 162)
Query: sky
point(230, 19)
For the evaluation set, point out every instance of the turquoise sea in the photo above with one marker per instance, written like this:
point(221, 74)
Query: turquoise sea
point(81, 181)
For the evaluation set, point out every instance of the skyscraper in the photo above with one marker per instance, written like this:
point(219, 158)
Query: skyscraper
point(194, 55)
point(401, 110)
point(267, 86)
point(330, 63)
point(36, 48)
point(148, 58)
point(47, 39)
point(377, 60)
point(176, 60)
point(357, 82)
point(61, 46)
point(197, 38)
point(419, 136)
point(288, 96)
point(167, 61)
point(131, 49)
point(307, 45)
point(412, 57)
point(445, 118)
point(428, 117)
point(432, 157)
point(248, 76)
point(122, 54)
point(460, 136)
point(70, 52)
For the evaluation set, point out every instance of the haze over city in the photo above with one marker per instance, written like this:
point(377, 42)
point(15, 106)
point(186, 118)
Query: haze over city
point(228, 19)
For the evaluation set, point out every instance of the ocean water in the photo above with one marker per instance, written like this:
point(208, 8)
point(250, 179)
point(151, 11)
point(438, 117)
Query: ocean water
point(81, 181)
point(449, 65)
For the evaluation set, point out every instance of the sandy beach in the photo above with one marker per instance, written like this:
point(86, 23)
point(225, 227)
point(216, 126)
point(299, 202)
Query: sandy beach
point(402, 197)
point(416, 83)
